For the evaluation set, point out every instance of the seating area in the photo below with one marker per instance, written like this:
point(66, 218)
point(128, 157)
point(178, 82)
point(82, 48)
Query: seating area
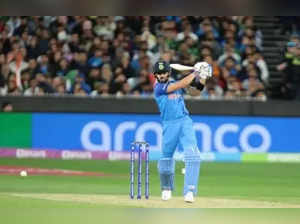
point(114, 55)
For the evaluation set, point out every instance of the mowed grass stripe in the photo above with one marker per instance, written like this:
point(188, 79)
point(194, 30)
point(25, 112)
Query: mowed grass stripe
point(156, 202)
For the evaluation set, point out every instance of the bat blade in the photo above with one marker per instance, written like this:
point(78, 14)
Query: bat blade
point(180, 67)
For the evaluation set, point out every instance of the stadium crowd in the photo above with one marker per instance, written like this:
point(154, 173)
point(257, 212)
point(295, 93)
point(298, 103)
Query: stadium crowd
point(290, 69)
point(103, 55)
point(290, 64)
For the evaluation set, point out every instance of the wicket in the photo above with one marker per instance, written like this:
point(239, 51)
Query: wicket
point(138, 146)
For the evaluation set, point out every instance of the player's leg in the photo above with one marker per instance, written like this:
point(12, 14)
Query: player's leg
point(191, 158)
point(166, 167)
point(166, 164)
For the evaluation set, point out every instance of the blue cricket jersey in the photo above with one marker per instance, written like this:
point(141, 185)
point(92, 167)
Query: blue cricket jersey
point(171, 105)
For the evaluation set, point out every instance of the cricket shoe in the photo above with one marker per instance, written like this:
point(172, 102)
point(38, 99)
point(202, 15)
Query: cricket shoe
point(166, 195)
point(189, 197)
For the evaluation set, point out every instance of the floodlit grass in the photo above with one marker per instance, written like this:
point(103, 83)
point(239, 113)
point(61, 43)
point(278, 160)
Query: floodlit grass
point(61, 199)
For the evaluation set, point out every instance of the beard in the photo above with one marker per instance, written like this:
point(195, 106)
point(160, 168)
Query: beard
point(164, 80)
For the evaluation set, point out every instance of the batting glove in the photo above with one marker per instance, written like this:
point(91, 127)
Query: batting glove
point(203, 70)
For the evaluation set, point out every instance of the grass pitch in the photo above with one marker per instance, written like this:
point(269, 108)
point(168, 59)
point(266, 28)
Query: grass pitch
point(61, 199)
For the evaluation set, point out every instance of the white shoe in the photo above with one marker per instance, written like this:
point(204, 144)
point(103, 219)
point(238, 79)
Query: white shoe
point(189, 197)
point(166, 195)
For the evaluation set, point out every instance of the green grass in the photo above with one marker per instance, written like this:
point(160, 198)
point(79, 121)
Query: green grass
point(253, 181)
point(273, 182)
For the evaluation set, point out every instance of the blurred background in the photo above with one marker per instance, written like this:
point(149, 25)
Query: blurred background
point(253, 57)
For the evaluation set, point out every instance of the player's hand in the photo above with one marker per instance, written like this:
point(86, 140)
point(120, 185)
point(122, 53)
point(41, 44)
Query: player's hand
point(203, 70)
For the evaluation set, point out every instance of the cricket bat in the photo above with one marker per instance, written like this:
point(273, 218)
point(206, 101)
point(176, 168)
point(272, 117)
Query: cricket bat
point(180, 67)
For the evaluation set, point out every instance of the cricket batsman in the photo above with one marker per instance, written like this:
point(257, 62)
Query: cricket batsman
point(178, 126)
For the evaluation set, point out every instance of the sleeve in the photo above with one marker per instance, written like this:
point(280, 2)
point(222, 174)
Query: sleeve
point(161, 89)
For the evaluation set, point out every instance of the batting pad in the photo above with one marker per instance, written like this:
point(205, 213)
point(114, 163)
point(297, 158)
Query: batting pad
point(192, 169)
point(166, 169)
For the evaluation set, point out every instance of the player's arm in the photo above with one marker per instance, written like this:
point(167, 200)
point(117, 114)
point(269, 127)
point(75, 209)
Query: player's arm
point(202, 71)
point(192, 91)
point(183, 83)
point(195, 88)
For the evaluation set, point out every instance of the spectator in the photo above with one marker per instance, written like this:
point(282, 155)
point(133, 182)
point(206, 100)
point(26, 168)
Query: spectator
point(118, 81)
point(105, 27)
point(7, 107)
point(79, 62)
point(148, 37)
point(260, 63)
point(291, 70)
point(187, 32)
point(16, 58)
point(74, 42)
point(127, 67)
point(80, 81)
point(43, 42)
point(229, 52)
point(96, 59)
point(33, 88)
point(125, 90)
point(260, 95)
point(250, 30)
point(210, 41)
point(206, 27)
point(43, 64)
point(78, 91)
point(93, 76)
point(212, 90)
point(144, 85)
point(44, 83)
point(106, 73)
point(231, 66)
point(3, 86)
point(33, 51)
point(101, 89)
point(33, 67)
